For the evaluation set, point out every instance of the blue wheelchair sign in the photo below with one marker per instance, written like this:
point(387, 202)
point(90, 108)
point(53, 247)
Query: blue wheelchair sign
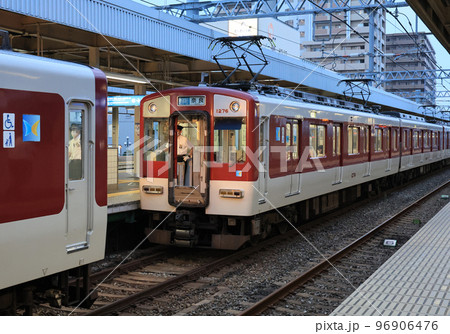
point(8, 122)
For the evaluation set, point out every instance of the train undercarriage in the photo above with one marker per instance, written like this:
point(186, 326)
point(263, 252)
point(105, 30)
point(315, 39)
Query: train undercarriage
point(193, 228)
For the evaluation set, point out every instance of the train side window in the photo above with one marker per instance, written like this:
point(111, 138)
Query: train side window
point(294, 148)
point(157, 132)
point(317, 140)
point(434, 139)
point(336, 140)
point(353, 140)
point(229, 140)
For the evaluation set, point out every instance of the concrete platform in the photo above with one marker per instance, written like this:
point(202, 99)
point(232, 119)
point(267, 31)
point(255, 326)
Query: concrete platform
point(415, 281)
point(125, 195)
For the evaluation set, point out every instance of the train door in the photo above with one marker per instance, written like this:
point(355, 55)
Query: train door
point(263, 159)
point(294, 157)
point(337, 140)
point(188, 172)
point(80, 155)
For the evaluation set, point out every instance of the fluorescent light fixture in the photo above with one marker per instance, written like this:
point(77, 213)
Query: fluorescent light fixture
point(126, 78)
point(118, 77)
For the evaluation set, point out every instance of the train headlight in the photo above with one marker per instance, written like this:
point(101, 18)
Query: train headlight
point(235, 106)
point(152, 108)
point(231, 193)
point(153, 189)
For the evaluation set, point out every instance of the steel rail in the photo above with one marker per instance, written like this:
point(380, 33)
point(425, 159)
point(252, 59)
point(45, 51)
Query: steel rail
point(189, 276)
point(284, 291)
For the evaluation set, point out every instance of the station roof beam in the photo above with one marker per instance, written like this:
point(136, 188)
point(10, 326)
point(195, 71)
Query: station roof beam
point(436, 16)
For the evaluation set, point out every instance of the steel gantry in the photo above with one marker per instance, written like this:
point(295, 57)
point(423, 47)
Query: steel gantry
point(437, 74)
point(211, 11)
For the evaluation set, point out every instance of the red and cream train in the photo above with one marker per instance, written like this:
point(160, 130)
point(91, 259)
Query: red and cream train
point(258, 152)
point(53, 193)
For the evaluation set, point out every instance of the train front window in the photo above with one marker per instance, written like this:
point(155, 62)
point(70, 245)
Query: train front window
point(156, 135)
point(229, 140)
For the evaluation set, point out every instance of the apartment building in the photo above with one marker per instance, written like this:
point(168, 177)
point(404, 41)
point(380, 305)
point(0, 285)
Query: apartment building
point(338, 47)
point(405, 55)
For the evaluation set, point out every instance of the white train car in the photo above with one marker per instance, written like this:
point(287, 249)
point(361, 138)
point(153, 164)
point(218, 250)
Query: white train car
point(226, 162)
point(53, 194)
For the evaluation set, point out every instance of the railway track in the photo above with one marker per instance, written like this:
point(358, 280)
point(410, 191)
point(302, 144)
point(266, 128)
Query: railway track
point(168, 284)
point(322, 288)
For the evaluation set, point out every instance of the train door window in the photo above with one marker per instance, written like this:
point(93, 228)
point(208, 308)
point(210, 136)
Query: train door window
point(434, 139)
point(394, 139)
point(294, 149)
point(317, 140)
point(378, 143)
point(229, 140)
point(416, 139)
point(426, 139)
point(388, 139)
point(353, 140)
point(288, 141)
point(336, 140)
point(156, 132)
point(76, 144)
point(366, 140)
point(405, 139)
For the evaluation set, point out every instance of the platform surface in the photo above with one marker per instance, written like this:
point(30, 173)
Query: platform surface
point(125, 195)
point(415, 281)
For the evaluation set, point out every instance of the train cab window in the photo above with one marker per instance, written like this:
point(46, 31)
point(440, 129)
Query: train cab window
point(336, 140)
point(353, 140)
point(317, 137)
point(157, 144)
point(229, 140)
point(378, 142)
